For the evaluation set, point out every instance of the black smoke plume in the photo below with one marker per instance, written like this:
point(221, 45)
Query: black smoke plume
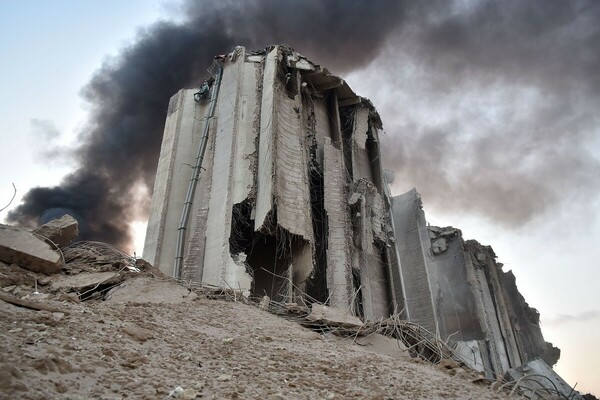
point(491, 107)
point(129, 97)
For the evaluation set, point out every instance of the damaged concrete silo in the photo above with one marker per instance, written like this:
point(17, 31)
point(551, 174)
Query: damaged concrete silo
point(290, 197)
point(270, 181)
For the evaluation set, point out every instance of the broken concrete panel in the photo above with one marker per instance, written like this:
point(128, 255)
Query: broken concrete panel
point(397, 289)
point(339, 274)
point(247, 128)
point(60, 231)
point(453, 294)
point(361, 159)
point(292, 193)
point(487, 314)
point(491, 270)
point(536, 375)
point(439, 245)
point(323, 127)
point(361, 127)
point(370, 258)
point(264, 196)
point(83, 280)
point(469, 352)
point(331, 316)
point(410, 224)
point(28, 251)
point(526, 321)
point(224, 270)
point(384, 345)
point(301, 265)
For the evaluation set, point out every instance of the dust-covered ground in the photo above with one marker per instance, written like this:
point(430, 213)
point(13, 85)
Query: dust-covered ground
point(151, 336)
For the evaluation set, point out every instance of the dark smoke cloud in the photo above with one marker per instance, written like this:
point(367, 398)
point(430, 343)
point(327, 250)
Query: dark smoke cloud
point(490, 106)
point(46, 137)
point(495, 106)
point(129, 97)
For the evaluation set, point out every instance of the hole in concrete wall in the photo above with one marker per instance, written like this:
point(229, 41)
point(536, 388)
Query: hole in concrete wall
point(334, 118)
point(275, 260)
point(358, 297)
point(347, 125)
point(270, 268)
point(356, 223)
point(316, 286)
point(384, 263)
point(291, 81)
point(242, 228)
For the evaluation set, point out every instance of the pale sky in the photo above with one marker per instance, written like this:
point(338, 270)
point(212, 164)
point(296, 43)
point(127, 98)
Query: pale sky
point(50, 50)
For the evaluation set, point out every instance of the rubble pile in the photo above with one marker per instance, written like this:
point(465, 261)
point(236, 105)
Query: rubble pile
point(45, 264)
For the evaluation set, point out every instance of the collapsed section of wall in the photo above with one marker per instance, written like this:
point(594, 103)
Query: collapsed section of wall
point(456, 289)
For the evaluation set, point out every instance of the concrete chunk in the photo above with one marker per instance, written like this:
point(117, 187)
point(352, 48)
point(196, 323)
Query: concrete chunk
point(25, 249)
point(83, 280)
point(537, 374)
point(333, 317)
point(61, 231)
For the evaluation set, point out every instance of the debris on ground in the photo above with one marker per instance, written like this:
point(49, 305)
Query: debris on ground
point(333, 317)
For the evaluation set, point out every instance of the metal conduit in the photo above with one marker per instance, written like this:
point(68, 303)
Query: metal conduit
point(185, 213)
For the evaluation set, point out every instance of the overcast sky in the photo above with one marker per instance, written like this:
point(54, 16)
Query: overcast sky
point(491, 112)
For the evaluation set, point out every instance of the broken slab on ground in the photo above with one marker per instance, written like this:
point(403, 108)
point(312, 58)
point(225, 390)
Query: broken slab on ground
point(333, 317)
point(84, 280)
point(28, 251)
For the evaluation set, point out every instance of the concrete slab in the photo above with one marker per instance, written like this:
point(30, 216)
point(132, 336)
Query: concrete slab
point(83, 280)
point(28, 251)
point(150, 290)
point(412, 242)
point(266, 173)
point(339, 273)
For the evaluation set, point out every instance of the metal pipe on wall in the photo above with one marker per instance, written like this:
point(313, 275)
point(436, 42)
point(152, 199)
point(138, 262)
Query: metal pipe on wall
point(185, 214)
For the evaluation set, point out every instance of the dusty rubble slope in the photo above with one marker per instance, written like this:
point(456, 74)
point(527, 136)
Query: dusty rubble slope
point(151, 336)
